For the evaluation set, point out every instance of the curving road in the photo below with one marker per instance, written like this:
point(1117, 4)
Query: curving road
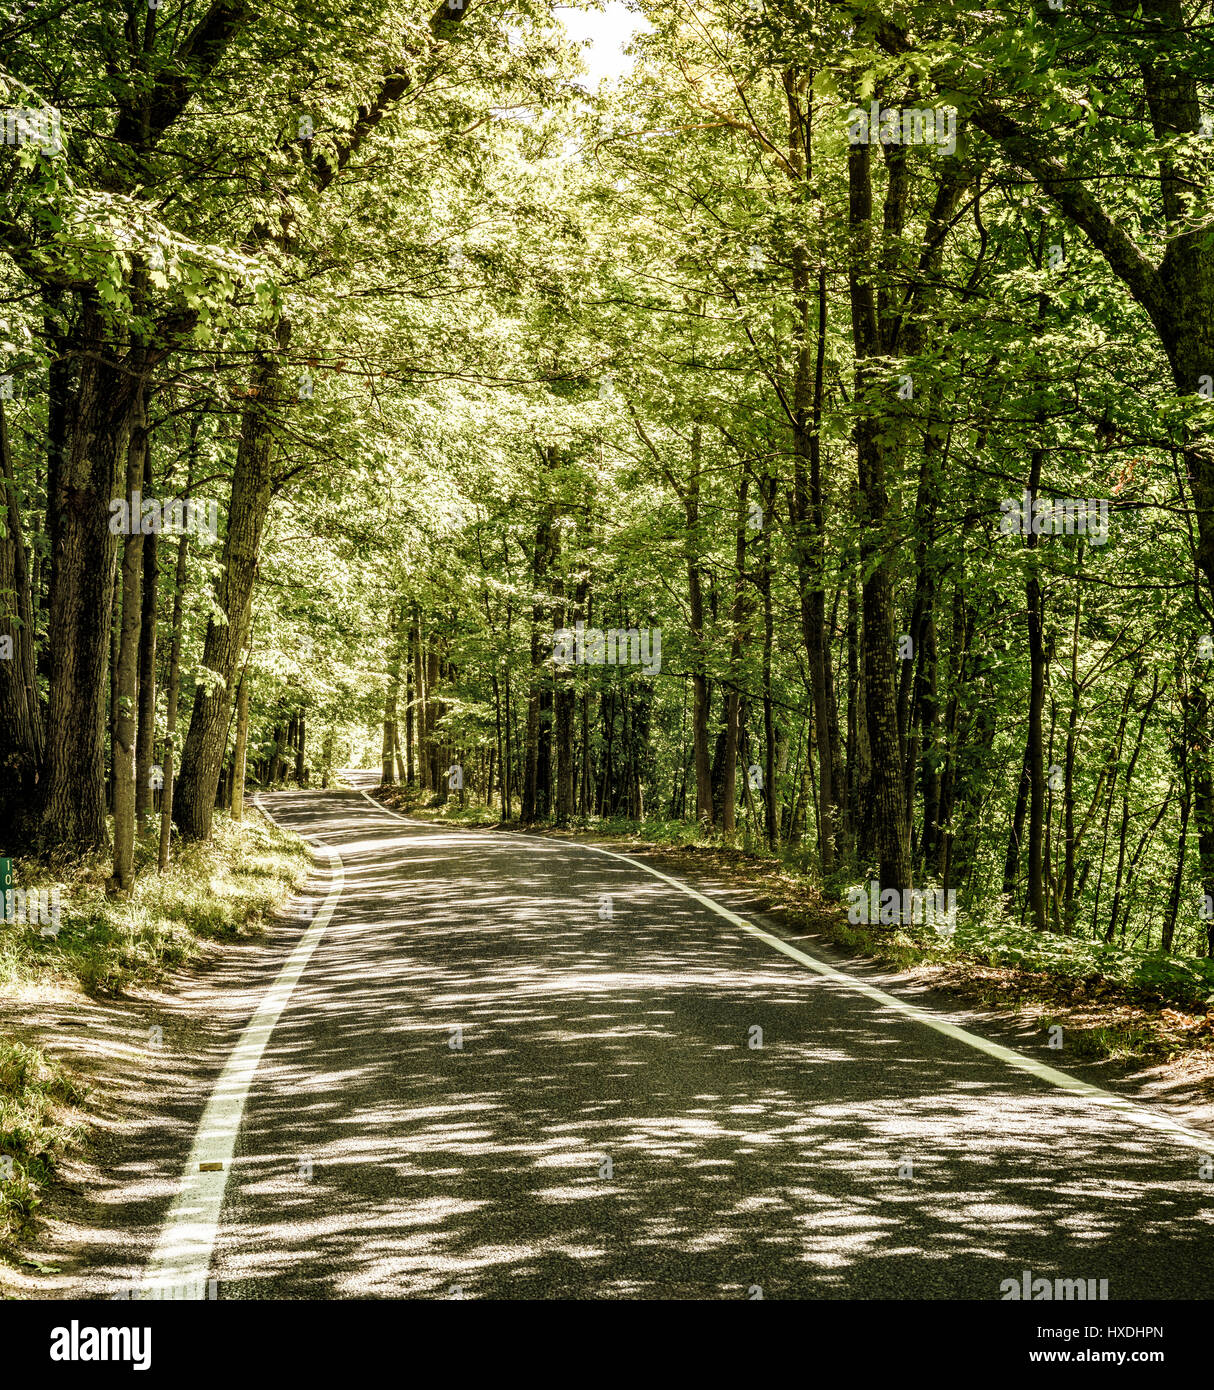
point(603, 1124)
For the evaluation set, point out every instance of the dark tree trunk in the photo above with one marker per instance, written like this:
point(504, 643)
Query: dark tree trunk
point(563, 699)
point(1011, 861)
point(729, 778)
point(422, 702)
point(172, 693)
point(434, 708)
point(770, 799)
point(20, 714)
point(145, 739)
point(128, 661)
point(410, 689)
point(84, 552)
point(1035, 605)
point(699, 677)
point(203, 753)
point(873, 453)
point(240, 750)
point(536, 777)
point(301, 743)
point(388, 762)
point(1180, 752)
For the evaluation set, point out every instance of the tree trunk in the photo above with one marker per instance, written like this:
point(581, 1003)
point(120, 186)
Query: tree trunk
point(806, 508)
point(84, 553)
point(1203, 799)
point(852, 772)
point(535, 777)
point(410, 699)
point(388, 747)
point(1011, 860)
point(145, 740)
point(1036, 747)
point(128, 661)
point(699, 678)
point(21, 732)
point(421, 697)
point(563, 731)
point(173, 692)
point(252, 479)
point(807, 516)
point(1180, 752)
point(729, 779)
point(438, 779)
point(240, 752)
point(301, 744)
point(892, 841)
point(770, 800)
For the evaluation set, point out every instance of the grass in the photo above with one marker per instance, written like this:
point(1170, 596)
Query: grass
point(1119, 1042)
point(213, 890)
point(218, 890)
point(36, 1127)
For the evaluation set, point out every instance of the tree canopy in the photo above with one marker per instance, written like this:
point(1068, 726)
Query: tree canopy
point(805, 436)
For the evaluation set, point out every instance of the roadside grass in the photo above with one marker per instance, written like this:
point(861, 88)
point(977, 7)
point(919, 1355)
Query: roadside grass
point(220, 890)
point(1115, 1002)
point(452, 813)
point(36, 1127)
point(1080, 960)
point(214, 890)
point(411, 801)
point(1118, 1042)
point(1048, 961)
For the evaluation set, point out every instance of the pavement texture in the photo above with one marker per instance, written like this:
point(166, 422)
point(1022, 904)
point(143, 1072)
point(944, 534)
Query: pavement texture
point(602, 1126)
point(485, 1086)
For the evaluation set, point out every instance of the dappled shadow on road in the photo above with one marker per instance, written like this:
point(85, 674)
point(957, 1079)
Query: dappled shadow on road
point(604, 1124)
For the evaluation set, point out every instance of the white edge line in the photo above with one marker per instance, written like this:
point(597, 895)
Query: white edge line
point(181, 1261)
point(1137, 1114)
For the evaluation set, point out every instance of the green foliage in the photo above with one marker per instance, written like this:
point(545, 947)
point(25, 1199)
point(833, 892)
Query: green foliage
point(1184, 980)
point(549, 348)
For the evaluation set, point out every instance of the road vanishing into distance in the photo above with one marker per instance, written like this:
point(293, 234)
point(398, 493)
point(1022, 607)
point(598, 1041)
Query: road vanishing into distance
point(498, 1066)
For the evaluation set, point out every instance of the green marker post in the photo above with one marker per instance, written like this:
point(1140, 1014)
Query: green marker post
point(6, 888)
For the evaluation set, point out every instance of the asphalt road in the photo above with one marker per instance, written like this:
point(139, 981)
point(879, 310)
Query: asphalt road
point(606, 1129)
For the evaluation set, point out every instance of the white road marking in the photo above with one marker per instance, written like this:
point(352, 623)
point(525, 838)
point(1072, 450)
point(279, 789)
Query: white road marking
point(1137, 1114)
point(181, 1261)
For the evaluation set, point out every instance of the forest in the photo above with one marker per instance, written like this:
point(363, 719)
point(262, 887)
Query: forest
point(800, 443)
